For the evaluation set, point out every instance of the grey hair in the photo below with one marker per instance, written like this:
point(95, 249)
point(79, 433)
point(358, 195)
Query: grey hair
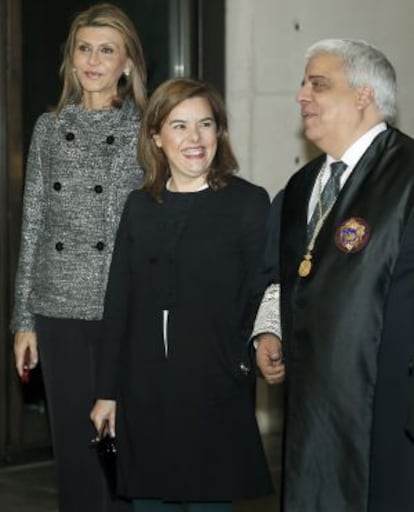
point(364, 65)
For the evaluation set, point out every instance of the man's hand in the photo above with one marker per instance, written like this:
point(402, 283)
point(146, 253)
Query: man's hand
point(269, 358)
point(25, 340)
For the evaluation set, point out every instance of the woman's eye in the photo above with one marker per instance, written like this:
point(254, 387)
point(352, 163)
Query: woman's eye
point(107, 50)
point(83, 48)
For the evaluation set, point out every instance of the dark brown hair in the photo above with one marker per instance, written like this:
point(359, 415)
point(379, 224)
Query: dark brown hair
point(133, 86)
point(163, 100)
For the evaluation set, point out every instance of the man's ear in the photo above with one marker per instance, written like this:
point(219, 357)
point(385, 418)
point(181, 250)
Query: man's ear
point(365, 96)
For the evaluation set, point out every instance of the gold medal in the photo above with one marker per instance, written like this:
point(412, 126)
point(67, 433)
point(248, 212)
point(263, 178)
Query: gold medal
point(305, 266)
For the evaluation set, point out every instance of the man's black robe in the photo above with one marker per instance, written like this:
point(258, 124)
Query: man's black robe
point(348, 337)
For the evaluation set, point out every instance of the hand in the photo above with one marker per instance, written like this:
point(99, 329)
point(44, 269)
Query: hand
point(269, 358)
point(104, 410)
point(25, 340)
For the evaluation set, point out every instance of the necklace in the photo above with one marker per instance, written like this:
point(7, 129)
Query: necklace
point(305, 265)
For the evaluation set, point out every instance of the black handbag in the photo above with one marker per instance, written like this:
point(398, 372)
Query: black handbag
point(105, 447)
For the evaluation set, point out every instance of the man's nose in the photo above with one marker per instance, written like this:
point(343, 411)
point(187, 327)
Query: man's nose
point(303, 94)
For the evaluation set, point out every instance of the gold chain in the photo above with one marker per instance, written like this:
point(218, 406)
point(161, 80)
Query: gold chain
point(305, 266)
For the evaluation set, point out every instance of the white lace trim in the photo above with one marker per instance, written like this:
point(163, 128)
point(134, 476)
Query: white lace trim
point(268, 315)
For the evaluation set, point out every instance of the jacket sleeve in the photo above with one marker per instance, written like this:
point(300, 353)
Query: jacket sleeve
point(253, 241)
point(34, 203)
point(268, 314)
point(271, 253)
point(116, 311)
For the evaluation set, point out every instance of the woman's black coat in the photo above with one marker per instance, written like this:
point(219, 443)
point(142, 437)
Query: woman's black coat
point(186, 423)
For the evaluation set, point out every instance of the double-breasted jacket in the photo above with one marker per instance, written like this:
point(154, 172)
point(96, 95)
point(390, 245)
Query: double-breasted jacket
point(81, 166)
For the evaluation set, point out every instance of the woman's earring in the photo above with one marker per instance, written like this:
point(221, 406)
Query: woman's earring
point(127, 72)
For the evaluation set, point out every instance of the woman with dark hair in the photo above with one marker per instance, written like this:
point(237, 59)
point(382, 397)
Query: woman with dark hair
point(82, 164)
point(175, 365)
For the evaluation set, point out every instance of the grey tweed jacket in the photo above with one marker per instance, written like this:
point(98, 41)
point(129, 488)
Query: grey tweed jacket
point(81, 166)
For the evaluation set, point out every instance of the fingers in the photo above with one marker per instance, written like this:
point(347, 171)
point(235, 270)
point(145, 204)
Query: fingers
point(275, 375)
point(112, 425)
point(269, 359)
point(96, 417)
point(104, 410)
point(25, 350)
point(273, 369)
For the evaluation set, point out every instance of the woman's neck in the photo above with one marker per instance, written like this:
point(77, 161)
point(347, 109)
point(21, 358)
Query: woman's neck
point(92, 101)
point(194, 185)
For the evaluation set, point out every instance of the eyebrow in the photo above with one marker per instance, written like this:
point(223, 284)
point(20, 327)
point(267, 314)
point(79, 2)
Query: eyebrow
point(105, 43)
point(208, 118)
point(319, 77)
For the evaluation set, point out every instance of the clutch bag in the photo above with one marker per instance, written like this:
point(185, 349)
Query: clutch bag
point(105, 447)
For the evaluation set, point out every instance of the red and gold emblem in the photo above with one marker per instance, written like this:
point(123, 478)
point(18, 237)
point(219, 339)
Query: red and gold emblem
point(352, 235)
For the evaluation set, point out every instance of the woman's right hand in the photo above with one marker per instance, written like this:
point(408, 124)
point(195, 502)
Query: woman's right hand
point(25, 340)
point(104, 410)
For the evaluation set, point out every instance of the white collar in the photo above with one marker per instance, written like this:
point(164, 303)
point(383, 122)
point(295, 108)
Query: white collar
point(358, 148)
point(202, 187)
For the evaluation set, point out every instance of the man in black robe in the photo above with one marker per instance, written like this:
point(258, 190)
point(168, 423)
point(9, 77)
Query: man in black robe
point(343, 282)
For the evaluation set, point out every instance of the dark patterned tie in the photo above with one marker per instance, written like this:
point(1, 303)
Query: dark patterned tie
point(329, 194)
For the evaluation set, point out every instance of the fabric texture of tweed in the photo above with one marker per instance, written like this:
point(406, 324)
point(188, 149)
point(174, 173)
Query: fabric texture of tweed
point(82, 164)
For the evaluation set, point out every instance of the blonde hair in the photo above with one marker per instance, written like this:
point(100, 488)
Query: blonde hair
point(134, 86)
